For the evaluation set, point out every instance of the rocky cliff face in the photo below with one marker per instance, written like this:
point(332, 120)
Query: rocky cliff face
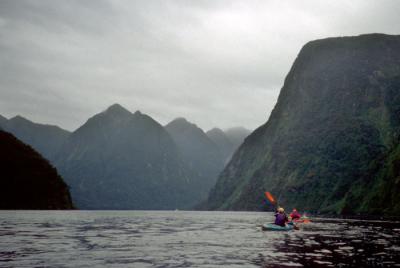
point(28, 181)
point(331, 142)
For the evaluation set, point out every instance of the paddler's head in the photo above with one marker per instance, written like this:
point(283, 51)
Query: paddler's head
point(294, 210)
point(281, 210)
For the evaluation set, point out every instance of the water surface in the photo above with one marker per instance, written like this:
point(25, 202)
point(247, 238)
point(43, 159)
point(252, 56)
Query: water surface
point(189, 239)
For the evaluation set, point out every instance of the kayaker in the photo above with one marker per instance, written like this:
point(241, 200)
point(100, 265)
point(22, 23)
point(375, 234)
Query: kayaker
point(280, 217)
point(295, 215)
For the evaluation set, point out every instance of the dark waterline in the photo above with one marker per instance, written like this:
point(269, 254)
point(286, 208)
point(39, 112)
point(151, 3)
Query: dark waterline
point(190, 239)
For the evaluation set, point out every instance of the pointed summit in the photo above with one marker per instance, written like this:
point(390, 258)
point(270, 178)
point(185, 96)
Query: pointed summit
point(120, 160)
point(216, 131)
point(19, 118)
point(179, 120)
point(111, 117)
point(181, 124)
point(137, 113)
point(117, 109)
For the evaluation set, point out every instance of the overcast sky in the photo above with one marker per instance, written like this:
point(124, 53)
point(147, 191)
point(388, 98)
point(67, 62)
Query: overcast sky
point(216, 63)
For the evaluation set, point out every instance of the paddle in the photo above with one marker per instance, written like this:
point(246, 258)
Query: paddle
point(271, 199)
point(305, 218)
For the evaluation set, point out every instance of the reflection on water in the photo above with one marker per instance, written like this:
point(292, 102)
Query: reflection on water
point(189, 239)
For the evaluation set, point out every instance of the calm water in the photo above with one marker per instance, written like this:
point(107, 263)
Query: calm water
point(189, 239)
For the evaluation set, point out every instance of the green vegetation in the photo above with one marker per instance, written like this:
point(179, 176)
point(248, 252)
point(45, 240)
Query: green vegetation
point(331, 144)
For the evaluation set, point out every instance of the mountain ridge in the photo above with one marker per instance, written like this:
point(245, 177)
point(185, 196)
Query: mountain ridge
point(120, 160)
point(46, 139)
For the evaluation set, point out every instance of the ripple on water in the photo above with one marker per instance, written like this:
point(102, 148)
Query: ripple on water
point(323, 262)
point(324, 251)
point(346, 248)
point(188, 239)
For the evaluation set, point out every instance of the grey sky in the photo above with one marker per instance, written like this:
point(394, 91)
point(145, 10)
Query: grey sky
point(216, 63)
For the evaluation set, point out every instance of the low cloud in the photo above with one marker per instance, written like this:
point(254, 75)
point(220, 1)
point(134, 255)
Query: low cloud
point(217, 63)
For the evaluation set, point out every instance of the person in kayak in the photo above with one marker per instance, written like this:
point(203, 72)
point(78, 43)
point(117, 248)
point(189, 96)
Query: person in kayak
point(295, 215)
point(280, 217)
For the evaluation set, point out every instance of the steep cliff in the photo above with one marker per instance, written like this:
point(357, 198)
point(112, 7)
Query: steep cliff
point(331, 142)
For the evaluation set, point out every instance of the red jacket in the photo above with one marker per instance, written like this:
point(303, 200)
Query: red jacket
point(295, 215)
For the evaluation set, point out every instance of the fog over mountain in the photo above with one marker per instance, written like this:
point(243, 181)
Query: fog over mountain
point(237, 135)
point(217, 63)
point(228, 141)
point(198, 151)
point(223, 143)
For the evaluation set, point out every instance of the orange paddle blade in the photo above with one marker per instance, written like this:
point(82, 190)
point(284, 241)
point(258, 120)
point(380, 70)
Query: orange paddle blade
point(270, 197)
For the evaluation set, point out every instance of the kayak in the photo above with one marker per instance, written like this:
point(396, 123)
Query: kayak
point(274, 227)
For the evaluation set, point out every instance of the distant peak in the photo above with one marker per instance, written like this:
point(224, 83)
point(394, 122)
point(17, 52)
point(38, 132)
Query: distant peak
point(117, 109)
point(238, 129)
point(138, 113)
point(19, 118)
point(215, 130)
point(180, 120)
point(181, 124)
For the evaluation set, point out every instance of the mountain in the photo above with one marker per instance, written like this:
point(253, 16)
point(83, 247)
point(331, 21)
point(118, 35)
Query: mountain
point(3, 121)
point(331, 144)
point(228, 141)
point(120, 160)
point(200, 153)
point(46, 139)
point(237, 135)
point(223, 143)
point(28, 181)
